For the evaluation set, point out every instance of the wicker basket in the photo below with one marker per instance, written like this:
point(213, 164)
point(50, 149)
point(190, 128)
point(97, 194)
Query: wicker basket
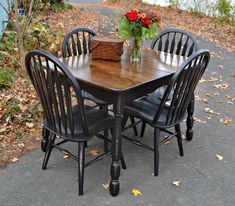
point(106, 48)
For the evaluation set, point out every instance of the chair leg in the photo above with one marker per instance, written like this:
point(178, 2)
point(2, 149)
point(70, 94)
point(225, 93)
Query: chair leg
point(179, 139)
point(45, 136)
point(143, 128)
point(134, 128)
point(51, 141)
point(81, 154)
point(156, 150)
point(124, 121)
point(123, 162)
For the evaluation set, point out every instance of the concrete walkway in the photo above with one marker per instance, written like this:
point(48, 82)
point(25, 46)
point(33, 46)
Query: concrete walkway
point(204, 180)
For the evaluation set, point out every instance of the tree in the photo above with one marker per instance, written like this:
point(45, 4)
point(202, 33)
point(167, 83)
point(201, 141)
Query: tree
point(21, 27)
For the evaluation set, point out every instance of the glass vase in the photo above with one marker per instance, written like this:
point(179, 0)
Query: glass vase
point(136, 51)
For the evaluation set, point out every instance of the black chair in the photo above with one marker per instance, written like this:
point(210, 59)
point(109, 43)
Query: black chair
point(173, 41)
point(65, 114)
point(78, 42)
point(162, 114)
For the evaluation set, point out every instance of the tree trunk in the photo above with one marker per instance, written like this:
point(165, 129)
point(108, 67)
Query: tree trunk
point(19, 35)
point(8, 6)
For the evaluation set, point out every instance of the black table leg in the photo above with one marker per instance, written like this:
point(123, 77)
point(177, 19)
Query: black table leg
point(190, 110)
point(116, 150)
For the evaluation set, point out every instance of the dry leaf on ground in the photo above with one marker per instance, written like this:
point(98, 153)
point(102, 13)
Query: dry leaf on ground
point(221, 86)
point(210, 111)
point(94, 152)
point(105, 186)
point(136, 192)
point(15, 159)
point(167, 142)
point(65, 156)
point(30, 124)
point(176, 183)
point(226, 120)
point(202, 80)
point(219, 157)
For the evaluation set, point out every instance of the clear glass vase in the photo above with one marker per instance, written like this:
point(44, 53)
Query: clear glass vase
point(136, 49)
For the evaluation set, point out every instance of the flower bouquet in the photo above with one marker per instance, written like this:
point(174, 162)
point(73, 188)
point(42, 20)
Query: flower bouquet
point(137, 25)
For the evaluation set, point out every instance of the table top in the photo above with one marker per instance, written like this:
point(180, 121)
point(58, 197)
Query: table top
point(124, 74)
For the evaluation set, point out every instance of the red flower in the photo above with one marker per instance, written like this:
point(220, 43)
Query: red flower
point(131, 16)
point(146, 22)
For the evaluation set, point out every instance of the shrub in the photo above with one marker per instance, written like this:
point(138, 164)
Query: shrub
point(6, 77)
point(38, 35)
point(226, 11)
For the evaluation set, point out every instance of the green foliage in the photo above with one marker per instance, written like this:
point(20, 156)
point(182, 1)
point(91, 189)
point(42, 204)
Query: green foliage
point(60, 6)
point(6, 77)
point(224, 7)
point(45, 5)
point(8, 42)
point(38, 35)
point(226, 11)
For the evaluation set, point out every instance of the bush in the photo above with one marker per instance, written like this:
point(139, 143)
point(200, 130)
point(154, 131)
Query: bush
point(226, 11)
point(6, 77)
point(60, 6)
point(39, 36)
point(8, 42)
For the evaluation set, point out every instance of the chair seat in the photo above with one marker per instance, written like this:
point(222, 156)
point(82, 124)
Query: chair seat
point(158, 93)
point(97, 120)
point(89, 96)
point(144, 109)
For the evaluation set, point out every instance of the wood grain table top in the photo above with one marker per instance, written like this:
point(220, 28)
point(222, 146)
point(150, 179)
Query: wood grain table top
point(124, 74)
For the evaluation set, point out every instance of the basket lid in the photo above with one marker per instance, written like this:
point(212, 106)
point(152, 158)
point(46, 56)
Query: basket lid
point(107, 39)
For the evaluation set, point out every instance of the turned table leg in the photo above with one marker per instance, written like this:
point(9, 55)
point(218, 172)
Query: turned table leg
point(116, 151)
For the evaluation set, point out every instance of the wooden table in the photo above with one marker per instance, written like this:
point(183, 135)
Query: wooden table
point(121, 82)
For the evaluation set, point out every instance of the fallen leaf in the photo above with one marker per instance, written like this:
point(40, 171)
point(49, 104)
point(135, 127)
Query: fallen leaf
point(4, 129)
point(217, 94)
point(15, 159)
point(21, 145)
point(205, 100)
point(94, 152)
point(105, 186)
point(32, 130)
point(136, 192)
point(219, 157)
point(220, 66)
point(167, 142)
point(199, 120)
point(211, 111)
point(221, 86)
point(10, 139)
point(176, 183)
point(202, 80)
point(208, 94)
point(30, 124)
point(65, 156)
point(226, 120)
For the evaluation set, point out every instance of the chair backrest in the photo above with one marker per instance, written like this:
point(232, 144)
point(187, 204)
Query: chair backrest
point(183, 84)
point(77, 42)
point(175, 41)
point(58, 91)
